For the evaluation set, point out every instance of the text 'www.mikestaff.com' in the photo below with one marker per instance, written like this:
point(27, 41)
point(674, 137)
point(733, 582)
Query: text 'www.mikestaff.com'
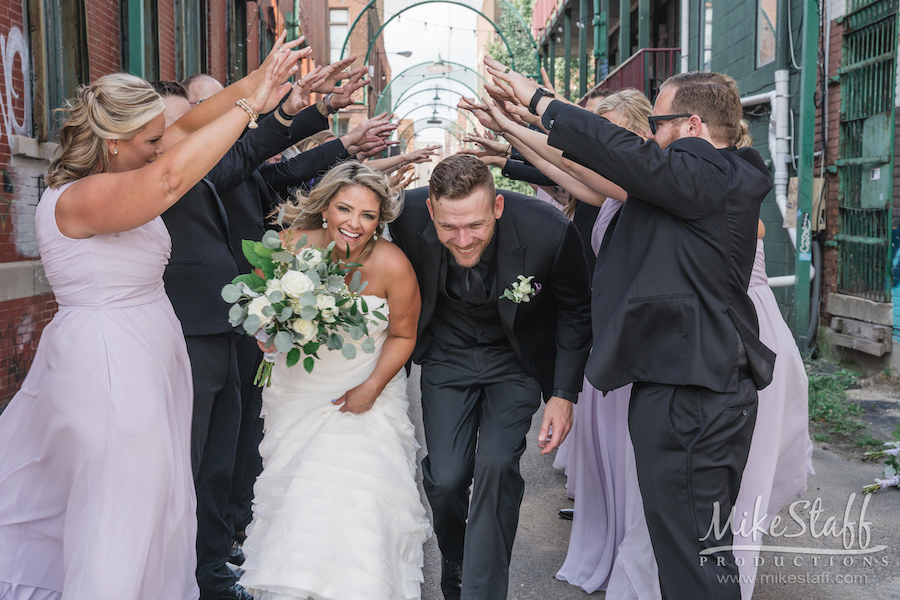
point(823, 577)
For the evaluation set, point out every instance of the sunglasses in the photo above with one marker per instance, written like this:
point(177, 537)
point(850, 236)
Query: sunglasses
point(653, 120)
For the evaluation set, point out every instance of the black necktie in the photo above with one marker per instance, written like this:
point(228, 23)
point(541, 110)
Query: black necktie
point(473, 288)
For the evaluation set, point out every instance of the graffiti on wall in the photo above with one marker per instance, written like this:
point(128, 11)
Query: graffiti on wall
point(12, 46)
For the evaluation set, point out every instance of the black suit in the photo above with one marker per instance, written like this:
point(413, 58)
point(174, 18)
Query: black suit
point(484, 368)
point(204, 259)
point(671, 311)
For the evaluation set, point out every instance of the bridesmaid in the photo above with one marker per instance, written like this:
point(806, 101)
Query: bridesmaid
point(97, 496)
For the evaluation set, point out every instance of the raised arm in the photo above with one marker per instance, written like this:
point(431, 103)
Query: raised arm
point(402, 292)
point(113, 202)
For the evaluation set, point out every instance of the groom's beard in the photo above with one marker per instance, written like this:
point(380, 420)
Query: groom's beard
point(470, 260)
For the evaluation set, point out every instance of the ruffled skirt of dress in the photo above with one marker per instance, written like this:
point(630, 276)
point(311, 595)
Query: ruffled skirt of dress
point(336, 511)
point(97, 496)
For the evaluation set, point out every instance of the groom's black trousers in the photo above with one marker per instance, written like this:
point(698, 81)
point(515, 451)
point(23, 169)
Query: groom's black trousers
point(690, 448)
point(477, 405)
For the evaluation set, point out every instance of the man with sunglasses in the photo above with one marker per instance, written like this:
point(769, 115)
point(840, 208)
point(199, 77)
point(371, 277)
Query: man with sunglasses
point(670, 305)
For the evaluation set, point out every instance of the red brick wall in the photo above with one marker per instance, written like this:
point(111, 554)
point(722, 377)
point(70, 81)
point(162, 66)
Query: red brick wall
point(218, 41)
point(829, 254)
point(103, 36)
point(166, 14)
point(21, 324)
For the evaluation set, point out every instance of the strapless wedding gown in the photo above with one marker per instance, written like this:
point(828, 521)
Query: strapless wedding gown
point(336, 511)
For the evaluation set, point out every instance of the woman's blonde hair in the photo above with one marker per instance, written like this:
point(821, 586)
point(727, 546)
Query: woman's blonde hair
point(316, 139)
point(745, 140)
point(115, 107)
point(304, 210)
point(632, 105)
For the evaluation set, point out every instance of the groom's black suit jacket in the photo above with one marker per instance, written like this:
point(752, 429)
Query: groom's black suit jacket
point(670, 301)
point(550, 335)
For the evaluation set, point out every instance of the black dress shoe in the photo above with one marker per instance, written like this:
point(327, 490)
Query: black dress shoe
point(567, 513)
point(237, 555)
point(451, 578)
point(235, 592)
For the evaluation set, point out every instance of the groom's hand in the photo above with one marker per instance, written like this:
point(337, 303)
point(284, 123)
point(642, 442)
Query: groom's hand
point(558, 417)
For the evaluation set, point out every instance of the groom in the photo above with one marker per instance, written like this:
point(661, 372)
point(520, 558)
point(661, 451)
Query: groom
point(488, 356)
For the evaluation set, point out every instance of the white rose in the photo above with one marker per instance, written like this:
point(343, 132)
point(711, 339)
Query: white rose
point(305, 328)
point(325, 302)
point(295, 283)
point(256, 307)
point(273, 284)
point(311, 256)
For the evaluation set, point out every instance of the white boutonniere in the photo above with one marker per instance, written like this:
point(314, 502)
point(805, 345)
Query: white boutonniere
point(522, 290)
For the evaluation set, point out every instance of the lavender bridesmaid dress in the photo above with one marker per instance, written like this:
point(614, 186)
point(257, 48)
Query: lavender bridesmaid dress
point(610, 546)
point(97, 496)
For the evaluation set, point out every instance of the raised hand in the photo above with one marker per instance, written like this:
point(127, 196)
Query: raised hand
point(519, 86)
point(342, 96)
point(421, 155)
point(402, 177)
point(368, 135)
point(332, 74)
point(491, 146)
point(269, 92)
point(481, 113)
point(300, 92)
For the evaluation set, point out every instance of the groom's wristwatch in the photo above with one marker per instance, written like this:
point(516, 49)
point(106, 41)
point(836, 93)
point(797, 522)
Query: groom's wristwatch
point(538, 94)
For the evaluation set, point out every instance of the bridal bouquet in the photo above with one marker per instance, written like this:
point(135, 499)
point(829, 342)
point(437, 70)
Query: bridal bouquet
point(891, 453)
point(301, 303)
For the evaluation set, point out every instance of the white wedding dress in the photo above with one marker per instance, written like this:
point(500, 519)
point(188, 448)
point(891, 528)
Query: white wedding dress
point(336, 511)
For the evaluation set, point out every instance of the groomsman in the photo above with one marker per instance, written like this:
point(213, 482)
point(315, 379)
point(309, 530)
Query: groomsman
point(490, 345)
point(671, 306)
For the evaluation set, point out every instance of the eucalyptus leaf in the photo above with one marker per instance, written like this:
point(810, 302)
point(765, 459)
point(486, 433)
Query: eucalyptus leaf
point(314, 277)
point(281, 220)
point(268, 311)
point(362, 286)
point(308, 313)
point(365, 307)
point(889, 471)
point(356, 332)
point(285, 314)
point(379, 315)
point(307, 299)
point(335, 341)
point(301, 242)
point(231, 293)
point(275, 296)
point(330, 247)
point(251, 280)
point(283, 257)
point(349, 351)
point(354, 281)
point(283, 341)
point(236, 314)
point(293, 357)
point(251, 324)
point(271, 240)
point(368, 345)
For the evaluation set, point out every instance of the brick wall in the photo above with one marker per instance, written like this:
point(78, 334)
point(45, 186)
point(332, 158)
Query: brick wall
point(21, 324)
point(218, 41)
point(166, 12)
point(829, 254)
point(104, 37)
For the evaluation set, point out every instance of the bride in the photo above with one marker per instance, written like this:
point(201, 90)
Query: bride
point(336, 510)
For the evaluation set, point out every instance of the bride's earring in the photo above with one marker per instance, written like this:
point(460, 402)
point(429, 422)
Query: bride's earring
point(324, 223)
point(375, 236)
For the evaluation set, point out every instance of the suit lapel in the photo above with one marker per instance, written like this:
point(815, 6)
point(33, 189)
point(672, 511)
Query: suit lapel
point(431, 254)
point(510, 264)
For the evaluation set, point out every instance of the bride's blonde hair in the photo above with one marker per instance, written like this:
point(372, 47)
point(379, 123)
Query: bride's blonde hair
point(304, 210)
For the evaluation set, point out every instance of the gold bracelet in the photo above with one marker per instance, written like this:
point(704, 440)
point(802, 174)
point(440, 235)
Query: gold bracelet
point(254, 115)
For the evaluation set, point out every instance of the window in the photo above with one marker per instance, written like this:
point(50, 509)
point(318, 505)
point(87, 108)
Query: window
point(237, 41)
point(766, 12)
point(342, 126)
point(59, 59)
point(190, 38)
point(337, 31)
point(140, 37)
point(707, 36)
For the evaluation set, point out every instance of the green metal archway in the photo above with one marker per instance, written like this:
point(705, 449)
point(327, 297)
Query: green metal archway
point(416, 74)
point(468, 4)
point(413, 136)
point(471, 119)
